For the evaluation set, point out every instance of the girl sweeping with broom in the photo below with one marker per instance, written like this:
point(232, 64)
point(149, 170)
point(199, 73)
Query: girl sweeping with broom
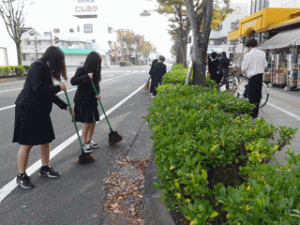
point(86, 110)
point(33, 124)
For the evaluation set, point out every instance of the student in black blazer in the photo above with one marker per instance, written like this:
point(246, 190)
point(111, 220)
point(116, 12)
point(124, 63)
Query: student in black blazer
point(33, 124)
point(86, 106)
point(154, 62)
point(158, 71)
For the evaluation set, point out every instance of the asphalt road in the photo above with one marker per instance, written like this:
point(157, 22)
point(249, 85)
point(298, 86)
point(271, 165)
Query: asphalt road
point(77, 196)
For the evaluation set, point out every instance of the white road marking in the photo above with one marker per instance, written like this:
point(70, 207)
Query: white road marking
point(9, 187)
point(284, 111)
point(11, 90)
point(61, 92)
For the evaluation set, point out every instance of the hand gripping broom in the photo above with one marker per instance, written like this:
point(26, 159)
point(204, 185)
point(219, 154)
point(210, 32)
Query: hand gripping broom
point(114, 137)
point(84, 158)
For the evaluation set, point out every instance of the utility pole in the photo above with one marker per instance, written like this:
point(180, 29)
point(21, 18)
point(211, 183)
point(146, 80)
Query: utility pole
point(51, 37)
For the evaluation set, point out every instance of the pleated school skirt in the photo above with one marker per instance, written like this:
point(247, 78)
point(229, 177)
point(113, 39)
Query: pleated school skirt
point(32, 127)
point(86, 113)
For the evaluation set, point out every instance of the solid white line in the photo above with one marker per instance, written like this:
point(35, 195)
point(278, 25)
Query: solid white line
point(8, 107)
point(61, 92)
point(284, 111)
point(9, 187)
point(10, 90)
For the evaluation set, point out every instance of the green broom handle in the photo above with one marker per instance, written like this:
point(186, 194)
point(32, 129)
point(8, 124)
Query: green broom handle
point(69, 104)
point(100, 104)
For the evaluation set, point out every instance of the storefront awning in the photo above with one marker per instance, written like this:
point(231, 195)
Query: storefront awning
point(285, 23)
point(282, 40)
point(233, 35)
point(262, 20)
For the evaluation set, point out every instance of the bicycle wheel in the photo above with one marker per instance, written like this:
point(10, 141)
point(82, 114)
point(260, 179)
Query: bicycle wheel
point(264, 95)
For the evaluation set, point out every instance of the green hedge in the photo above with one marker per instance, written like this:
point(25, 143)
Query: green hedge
point(209, 150)
point(6, 71)
point(125, 63)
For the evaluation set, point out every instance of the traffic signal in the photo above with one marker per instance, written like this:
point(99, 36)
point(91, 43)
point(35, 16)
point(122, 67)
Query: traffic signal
point(56, 40)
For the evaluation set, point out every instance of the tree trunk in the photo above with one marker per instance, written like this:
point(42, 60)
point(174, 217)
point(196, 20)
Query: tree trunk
point(199, 59)
point(200, 37)
point(19, 53)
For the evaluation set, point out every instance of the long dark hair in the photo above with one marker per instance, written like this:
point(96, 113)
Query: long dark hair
point(55, 58)
point(93, 64)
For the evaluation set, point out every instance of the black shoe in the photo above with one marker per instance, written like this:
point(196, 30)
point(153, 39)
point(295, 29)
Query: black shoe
point(93, 145)
point(24, 181)
point(49, 172)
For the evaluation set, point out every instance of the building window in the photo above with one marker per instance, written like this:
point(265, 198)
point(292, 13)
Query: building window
point(219, 27)
point(109, 30)
point(71, 30)
point(24, 57)
point(56, 30)
point(94, 41)
point(78, 28)
point(235, 25)
point(238, 10)
point(88, 28)
point(47, 34)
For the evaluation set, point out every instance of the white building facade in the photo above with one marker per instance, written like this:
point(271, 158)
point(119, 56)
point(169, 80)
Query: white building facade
point(218, 39)
point(8, 50)
point(34, 45)
point(84, 29)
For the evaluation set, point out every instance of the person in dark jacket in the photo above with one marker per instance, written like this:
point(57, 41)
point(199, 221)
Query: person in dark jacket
point(86, 106)
point(154, 62)
point(158, 71)
point(223, 67)
point(213, 63)
point(33, 124)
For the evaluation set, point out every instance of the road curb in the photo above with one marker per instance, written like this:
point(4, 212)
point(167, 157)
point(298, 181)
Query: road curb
point(155, 210)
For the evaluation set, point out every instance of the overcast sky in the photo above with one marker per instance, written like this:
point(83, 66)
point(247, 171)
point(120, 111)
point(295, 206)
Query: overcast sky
point(119, 13)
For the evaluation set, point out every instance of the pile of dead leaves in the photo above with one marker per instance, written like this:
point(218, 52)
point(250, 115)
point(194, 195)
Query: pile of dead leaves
point(125, 196)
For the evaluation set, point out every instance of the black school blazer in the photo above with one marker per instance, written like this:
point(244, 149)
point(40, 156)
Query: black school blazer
point(158, 71)
point(38, 92)
point(85, 93)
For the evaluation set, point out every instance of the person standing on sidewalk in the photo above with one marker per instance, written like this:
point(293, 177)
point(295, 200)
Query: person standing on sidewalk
point(223, 68)
point(154, 62)
point(158, 71)
point(254, 65)
point(212, 64)
point(33, 124)
point(86, 106)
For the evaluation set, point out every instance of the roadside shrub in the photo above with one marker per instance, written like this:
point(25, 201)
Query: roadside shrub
point(125, 63)
point(270, 195)
point(19, 70)
point(6, 70)
point(206, 147)
point(176, 66)
point(177, 76)
point(26, 67)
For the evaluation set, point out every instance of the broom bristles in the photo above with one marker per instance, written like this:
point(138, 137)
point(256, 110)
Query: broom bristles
point(85, 158)
point(145, 89)
point(114, 138)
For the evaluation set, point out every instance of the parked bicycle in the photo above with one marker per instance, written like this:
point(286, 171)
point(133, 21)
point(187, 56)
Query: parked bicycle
point(234, 79)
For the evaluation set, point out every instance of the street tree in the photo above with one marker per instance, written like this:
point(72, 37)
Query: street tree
point(13, 14)
point(200, 14)
point(146, 49)
point(180, 25)
point(127, 39)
